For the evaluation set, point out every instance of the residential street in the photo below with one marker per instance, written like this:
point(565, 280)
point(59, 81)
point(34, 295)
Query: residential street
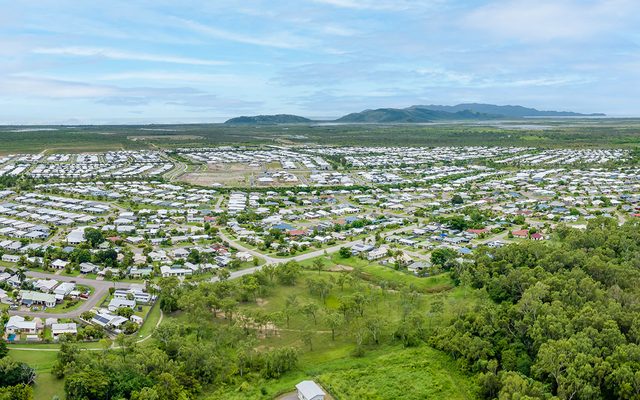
point(101, 288)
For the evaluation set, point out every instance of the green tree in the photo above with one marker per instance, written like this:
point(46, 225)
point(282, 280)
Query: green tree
point(85, 385)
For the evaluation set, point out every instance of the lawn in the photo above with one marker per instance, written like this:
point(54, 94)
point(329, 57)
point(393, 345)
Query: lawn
point(150, 322)
point(46, 385)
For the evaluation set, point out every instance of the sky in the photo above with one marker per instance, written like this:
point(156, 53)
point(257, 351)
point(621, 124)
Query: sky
point(205, 61)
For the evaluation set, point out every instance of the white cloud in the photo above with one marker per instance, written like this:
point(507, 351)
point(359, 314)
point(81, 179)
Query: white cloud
point(544, 20)
point(284, 40)
point(382, 5)
point(50, 88)
point(115, 54)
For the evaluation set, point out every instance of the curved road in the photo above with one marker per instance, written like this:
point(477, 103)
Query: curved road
point(301, 257)
point(101, 288)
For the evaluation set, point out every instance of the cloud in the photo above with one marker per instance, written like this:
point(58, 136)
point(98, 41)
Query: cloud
point(283, 40)
point(51, 88)
point(379, 5)
point(115, 54)
point(187, 97)
point(545, 20)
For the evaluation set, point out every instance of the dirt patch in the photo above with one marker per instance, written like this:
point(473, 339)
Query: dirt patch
point(225, 174)
point(165, 137)
point(340, 268)
point(262, 302)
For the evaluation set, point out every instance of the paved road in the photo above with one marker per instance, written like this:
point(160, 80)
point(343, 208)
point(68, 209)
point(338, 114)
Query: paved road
point(101, 288)
point(113, 345)
point(300, 257)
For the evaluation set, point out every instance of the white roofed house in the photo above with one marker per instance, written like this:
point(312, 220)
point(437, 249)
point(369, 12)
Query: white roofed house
point(59, 264)
point(62, 329)
point(30, 298)
point(88, 268)
point(106, 320)
point(64, 288)
point(309, 390)
point(76, 236)
point(45, 285)
point(167, 271)
point(117, 303)
point(17, 324)
point(180, 253)
point(4, 297)
point(377, 254)
point(159, 255)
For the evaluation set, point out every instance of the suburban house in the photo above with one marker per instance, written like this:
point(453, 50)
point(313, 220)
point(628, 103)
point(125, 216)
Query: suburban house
point(88, 268)
point(64, 288)
point(59, 264)
point(61, 329)
point(30, 298)
point(167, 271)
point(523, 233)
point(115, 304)
point(309, 390)
point(17, 324)
point(76, 236)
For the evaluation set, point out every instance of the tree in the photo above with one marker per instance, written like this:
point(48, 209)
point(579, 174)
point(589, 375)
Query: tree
point(311, 310)
point(307, 338)
point(318, 265)
point(17, 392)
point(344, 252)
point(334, 321)
point(14, 373)
point(288, 273)
point(223, 274)
point(279, 361)
point(442, 255)
point(168, 388)
point(456, 199)
point(4, 350)
point(85, 385)
point(126, 312)
point(291, 306)
point(93, 236)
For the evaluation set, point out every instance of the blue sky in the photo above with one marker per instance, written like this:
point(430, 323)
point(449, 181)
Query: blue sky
point(197, 61)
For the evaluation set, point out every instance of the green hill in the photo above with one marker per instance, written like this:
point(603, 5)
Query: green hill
point(268, 120)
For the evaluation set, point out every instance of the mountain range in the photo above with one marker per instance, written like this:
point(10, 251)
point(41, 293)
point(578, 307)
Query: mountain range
point(418, 114)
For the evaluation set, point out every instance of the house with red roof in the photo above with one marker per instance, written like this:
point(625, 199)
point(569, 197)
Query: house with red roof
point(297, 232)
point(537, 236)
point(522, 233)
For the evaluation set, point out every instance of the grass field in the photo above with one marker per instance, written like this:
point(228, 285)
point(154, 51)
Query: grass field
point(538, 132)
point(394, 373)
point(384, 275)
point(151, 321)
point(46, 385)
point(389, 373)
point(386, 371)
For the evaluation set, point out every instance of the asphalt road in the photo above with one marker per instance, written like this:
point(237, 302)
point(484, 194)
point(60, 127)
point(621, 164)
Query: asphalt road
point(101, 288)
point(300, 257)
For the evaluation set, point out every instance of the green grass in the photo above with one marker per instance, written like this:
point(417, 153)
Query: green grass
point(150, 323)
point(432, 284)
point(388, 374)
point(46, 385)
point(380, 274)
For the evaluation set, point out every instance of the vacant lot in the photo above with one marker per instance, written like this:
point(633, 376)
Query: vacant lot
point(226, 174)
